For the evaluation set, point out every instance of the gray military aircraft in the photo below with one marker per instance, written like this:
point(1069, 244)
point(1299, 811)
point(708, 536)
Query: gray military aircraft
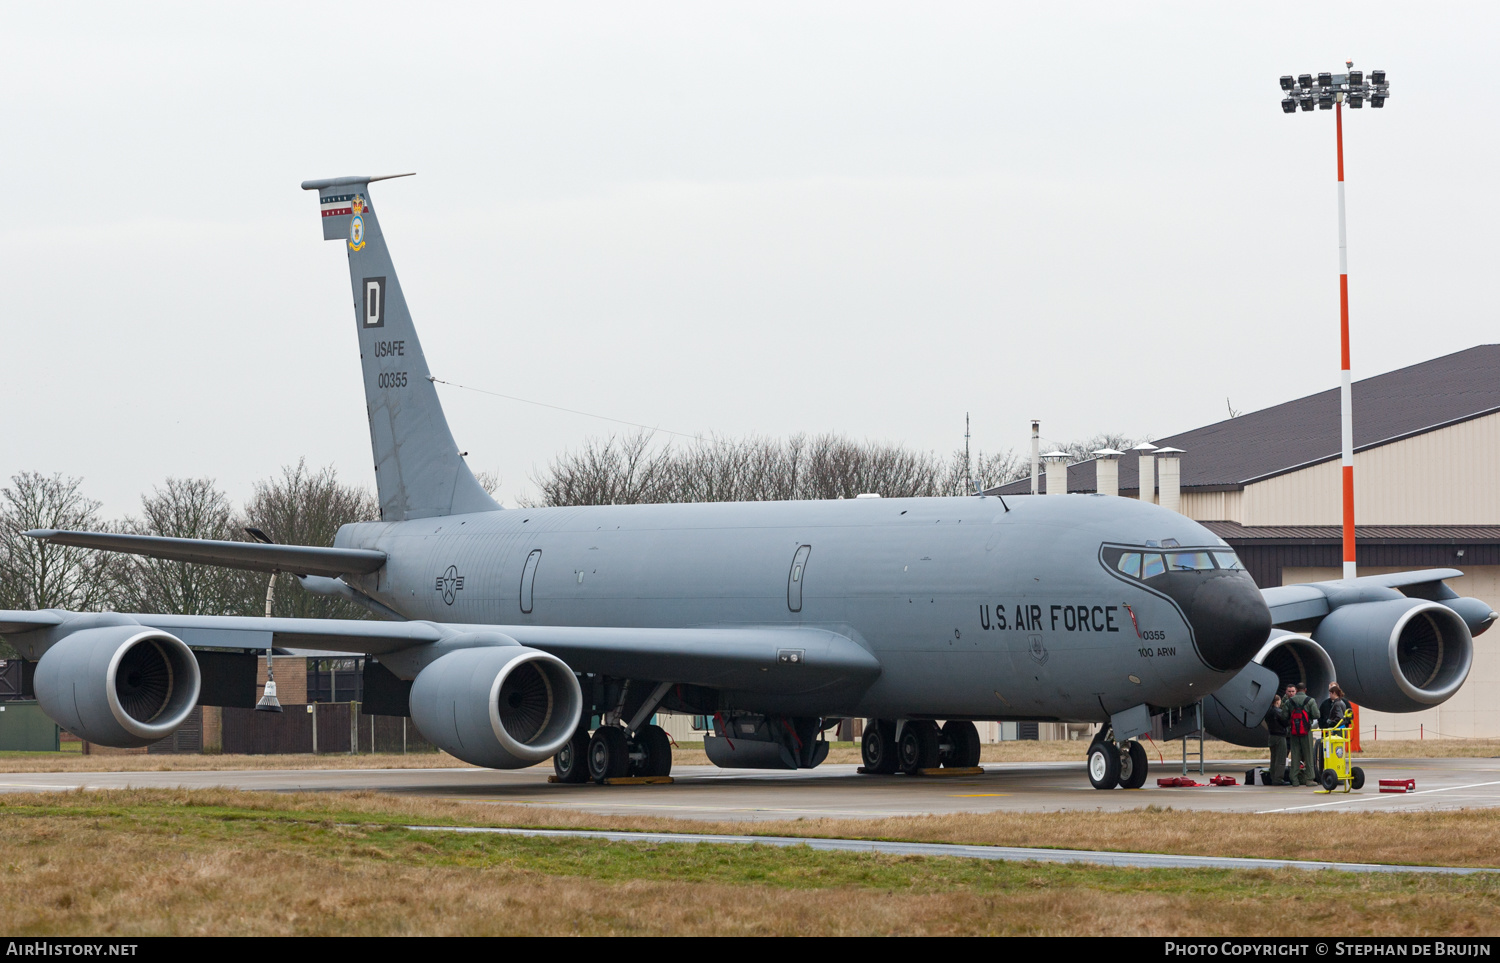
point(515, 635)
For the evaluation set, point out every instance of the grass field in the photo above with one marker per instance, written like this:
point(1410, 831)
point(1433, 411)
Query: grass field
point(217, 862)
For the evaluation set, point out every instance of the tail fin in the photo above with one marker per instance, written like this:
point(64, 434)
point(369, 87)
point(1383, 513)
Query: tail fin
point(419, 471)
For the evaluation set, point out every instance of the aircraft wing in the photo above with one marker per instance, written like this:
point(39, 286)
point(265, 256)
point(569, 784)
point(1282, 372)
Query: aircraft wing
point(1300, 606)
point(300, 559)
point(742, 657)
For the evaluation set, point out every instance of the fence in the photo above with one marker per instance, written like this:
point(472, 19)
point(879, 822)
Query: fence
point(328, 727)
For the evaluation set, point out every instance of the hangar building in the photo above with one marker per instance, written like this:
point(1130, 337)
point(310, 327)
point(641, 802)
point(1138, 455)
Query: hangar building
point(1426, 495)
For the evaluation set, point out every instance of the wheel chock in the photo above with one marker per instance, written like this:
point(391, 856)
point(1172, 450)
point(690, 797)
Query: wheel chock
point(1398, 785)
point(1223, 781)
point(1172, 782)
point(952, 771)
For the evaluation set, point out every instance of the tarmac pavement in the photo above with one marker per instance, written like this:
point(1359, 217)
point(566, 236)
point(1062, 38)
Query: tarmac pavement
point(838, 791)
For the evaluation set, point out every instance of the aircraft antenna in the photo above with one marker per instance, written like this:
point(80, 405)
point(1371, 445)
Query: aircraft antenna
point(968, 471)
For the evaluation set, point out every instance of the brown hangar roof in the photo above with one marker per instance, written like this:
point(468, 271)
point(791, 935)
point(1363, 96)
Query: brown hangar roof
point(1364, 534)
point(1284, 438)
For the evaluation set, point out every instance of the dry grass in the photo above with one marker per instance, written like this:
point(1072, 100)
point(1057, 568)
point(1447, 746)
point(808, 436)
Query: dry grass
point(225, 863)
point(1431, 749)
point(1443, 838)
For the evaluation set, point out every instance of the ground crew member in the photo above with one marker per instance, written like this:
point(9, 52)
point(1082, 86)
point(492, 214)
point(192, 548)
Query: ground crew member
point(1299, 711)
point(1276, 729)
point(1331, 712)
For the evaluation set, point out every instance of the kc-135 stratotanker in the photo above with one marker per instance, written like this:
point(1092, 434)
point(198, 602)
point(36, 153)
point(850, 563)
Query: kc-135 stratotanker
point(509, 636)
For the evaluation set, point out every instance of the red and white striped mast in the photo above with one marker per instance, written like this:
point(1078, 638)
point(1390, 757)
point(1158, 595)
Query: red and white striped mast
point(1333, 91)
point(1346, 382)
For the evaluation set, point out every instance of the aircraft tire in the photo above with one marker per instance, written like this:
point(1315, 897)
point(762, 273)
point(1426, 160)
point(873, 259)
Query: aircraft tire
point(1133, 766)
point(1357, 778)
point(963, 737)
point(877, 748)
point(656, 752)
point(1104, 765)
point(609, 754)
point(918, 746)
point(571, 764)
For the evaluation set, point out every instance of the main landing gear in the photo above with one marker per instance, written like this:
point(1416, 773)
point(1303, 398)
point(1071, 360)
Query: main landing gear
point(1111, 764)
point(612, 753)
point(920, 745)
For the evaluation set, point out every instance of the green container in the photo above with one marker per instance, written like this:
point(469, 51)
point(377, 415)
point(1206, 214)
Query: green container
point(25, 728)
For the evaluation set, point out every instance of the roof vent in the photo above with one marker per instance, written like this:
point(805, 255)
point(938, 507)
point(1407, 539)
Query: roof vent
point(1107, 471)
point(1171, 477)
point(1057, 472)
point(1147, 481)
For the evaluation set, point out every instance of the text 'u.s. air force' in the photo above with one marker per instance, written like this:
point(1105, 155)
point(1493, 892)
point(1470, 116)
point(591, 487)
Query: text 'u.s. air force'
point(1057, 618)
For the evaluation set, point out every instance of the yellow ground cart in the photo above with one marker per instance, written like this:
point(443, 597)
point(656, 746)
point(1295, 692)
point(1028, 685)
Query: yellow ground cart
point(1334, 756)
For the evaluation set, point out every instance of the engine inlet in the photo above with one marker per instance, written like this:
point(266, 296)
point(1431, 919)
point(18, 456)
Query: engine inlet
point(525, 702)
point(143, 681)
point(1425, 653)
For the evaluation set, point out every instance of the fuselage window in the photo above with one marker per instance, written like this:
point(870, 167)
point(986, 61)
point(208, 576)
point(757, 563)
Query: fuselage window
point(1229, 560)
point(1152, 566)
point(1190, 562)
point(1130, 564)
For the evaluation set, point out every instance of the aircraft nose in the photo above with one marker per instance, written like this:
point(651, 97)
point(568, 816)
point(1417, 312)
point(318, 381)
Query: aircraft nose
point(1230, 619)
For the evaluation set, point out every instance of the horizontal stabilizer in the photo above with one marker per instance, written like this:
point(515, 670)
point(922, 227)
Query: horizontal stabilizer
point(299, 559)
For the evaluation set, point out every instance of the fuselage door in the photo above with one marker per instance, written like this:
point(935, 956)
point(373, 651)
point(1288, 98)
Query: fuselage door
point(528, 579)
point(794, 579)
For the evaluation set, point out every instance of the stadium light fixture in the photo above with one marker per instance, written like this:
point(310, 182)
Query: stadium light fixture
point(1332, 91)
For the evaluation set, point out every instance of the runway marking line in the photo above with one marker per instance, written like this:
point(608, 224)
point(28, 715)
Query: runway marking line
point(971, 795)
point(1354, 799)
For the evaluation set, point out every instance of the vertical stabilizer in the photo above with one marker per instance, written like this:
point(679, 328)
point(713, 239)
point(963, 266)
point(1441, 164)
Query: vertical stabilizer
point(419, 472)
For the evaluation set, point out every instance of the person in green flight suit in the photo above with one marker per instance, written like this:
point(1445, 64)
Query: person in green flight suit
point(1299, 711)
point(1276, 735)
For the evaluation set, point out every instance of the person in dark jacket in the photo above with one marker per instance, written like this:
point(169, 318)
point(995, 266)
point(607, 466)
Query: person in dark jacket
point(1331, 712)
point(1276, 729)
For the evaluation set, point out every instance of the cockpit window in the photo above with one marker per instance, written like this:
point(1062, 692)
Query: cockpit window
point(1130, 564)
point(1229, 560)
point(1190, 562)
point(1152, 567)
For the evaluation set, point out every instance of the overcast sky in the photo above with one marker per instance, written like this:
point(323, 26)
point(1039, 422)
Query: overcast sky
point(716, 218)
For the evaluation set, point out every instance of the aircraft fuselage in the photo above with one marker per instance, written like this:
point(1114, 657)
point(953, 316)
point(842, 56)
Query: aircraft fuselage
point(973, 610)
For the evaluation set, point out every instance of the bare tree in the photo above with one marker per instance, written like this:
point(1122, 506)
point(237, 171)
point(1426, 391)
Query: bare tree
point(184, 508)
point(303, 507)
point(616, 471)
point(489, 481)
point(37, 575)
point(628, 470)
point(1084, 450)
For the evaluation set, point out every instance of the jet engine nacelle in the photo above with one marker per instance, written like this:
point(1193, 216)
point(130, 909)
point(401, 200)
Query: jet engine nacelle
point(1397, 655)
point(118, 685)
point(501, 706)
point(1293, 658)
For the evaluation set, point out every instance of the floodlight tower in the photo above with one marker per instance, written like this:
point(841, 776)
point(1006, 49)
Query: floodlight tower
point(1330, 91)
